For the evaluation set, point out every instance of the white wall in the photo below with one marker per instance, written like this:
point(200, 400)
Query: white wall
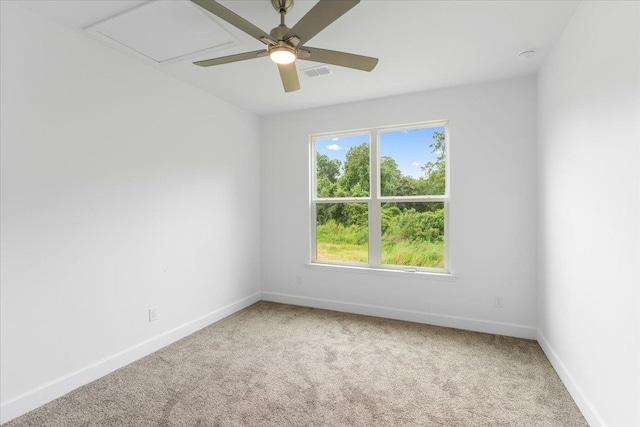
point(493, 213)
point(122, 189)
point(589, 138)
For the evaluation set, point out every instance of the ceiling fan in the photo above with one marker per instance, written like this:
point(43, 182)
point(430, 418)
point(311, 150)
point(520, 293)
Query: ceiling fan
point(285, 45)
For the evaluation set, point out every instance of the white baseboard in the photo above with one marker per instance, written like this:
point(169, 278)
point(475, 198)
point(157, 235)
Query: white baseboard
point(584, 404)
point(19, 405)
point(498, 328)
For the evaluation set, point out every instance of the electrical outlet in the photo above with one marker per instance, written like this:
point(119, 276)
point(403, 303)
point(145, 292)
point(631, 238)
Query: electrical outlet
point(153, 314)
point(497, 302)
point(299, 280)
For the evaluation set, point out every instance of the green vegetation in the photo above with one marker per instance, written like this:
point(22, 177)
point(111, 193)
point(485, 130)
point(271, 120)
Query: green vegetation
point(337, 242)
point(412, 237)
point(412, 232)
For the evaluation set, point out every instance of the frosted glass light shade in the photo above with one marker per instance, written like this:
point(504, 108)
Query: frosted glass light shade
point(282, 55)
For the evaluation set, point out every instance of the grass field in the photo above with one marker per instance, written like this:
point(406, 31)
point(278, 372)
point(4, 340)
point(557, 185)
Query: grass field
point(342, 252)
point(416, 254)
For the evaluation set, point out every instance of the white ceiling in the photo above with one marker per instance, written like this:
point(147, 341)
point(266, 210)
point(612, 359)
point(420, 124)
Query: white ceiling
point(422, 45)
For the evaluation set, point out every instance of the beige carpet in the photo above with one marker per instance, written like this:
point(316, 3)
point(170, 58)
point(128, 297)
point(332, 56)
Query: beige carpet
point(280, 365)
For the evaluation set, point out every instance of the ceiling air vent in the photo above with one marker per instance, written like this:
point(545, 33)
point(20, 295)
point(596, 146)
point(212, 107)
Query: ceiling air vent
point(321, 70)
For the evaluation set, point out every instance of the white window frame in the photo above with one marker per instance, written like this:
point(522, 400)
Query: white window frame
point(375, 200)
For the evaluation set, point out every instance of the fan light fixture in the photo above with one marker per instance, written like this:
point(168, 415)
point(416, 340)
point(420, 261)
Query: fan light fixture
point(282, 55)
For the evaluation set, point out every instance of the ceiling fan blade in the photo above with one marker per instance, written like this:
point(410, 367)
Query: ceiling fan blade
point(289, 76)
point(319, 17)
point(232, 58)
point(233, 19)
point(349, 60)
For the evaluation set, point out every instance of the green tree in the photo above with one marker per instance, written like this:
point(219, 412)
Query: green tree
point(435, 172)
point(332, 211)
point(390, 176)
point(326, 167)
point(356, 169)
point(408, 186)
point(326, 188)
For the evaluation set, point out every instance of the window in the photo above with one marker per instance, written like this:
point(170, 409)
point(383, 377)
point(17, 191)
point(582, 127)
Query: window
point(380, 197)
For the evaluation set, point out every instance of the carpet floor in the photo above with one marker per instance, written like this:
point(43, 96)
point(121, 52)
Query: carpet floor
point(280, 365)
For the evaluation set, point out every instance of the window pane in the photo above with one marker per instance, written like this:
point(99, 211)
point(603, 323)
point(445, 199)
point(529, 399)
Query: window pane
point(413, 234)
point(342, 166)
point(342, 232)
point(412, 162)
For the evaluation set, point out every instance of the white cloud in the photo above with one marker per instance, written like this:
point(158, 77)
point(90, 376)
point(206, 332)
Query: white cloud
point(334, 147)
point(415, 164)
point(335, 139)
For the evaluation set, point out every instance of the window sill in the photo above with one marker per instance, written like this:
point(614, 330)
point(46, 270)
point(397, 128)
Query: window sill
point(419, 275)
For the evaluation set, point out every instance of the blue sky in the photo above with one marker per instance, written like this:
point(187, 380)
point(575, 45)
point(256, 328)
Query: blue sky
point(410, 148)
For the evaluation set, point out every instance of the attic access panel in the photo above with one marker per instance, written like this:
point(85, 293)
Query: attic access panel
point(165, 31)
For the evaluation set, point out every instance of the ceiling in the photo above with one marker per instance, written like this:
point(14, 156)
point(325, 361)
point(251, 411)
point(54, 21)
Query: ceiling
point(422, 45)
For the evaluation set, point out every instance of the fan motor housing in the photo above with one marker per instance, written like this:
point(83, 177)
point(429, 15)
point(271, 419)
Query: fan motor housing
point(279, 32)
